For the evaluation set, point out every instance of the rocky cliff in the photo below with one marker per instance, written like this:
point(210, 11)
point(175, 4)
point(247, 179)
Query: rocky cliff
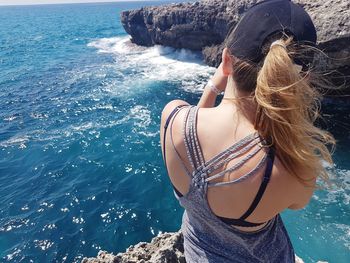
point(203, 25)
point(165, 248)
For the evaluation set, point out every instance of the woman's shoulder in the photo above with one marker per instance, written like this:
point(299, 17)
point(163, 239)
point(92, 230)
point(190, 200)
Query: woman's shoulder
point(170, 106)
point(296, 191)
point(176, 120)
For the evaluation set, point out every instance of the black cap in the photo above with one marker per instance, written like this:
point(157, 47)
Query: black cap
point(266, 19)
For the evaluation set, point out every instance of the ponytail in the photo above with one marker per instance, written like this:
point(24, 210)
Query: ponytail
point(287, 107)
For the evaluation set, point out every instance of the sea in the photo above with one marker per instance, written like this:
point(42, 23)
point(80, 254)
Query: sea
point(80, 160)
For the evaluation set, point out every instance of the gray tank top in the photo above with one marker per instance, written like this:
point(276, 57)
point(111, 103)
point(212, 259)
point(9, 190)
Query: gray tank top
point(207, 237)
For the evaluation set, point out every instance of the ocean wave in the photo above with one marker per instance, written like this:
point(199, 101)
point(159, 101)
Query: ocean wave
point(20, 140)
point(157, 63)
point(115, 45)
point(10, 118)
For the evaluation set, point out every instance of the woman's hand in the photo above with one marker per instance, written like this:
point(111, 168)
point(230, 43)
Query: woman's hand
point(209, 95)
point(219, 79)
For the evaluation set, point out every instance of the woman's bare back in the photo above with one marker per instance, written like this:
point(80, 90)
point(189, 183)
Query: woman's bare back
point(218, 128)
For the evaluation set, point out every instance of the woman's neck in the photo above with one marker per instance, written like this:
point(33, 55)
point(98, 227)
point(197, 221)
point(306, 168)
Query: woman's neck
point(242, 101)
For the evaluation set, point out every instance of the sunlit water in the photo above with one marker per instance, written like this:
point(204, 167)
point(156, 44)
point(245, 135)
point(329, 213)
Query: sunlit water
point(80, 160)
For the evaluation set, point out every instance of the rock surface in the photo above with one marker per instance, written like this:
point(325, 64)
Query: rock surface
point(165, 248)
point(203, 25)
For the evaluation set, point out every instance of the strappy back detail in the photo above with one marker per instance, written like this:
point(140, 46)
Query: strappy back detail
point(201, 168)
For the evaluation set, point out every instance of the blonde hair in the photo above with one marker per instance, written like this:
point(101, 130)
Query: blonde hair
point(287, 108)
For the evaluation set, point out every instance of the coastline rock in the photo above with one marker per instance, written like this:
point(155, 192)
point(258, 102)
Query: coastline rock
point(165, 248)
point(203, 25)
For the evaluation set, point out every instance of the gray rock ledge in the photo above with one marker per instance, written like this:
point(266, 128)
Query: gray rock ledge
point(203, 25)
point(165, 248)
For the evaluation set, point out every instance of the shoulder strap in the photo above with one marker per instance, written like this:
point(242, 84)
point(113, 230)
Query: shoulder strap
point(262, 188)
point(166, 125)
point(193, 148)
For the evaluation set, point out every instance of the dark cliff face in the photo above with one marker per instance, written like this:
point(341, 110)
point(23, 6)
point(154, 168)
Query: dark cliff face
point(204, 25)
point(183, 25)
point(191, 26)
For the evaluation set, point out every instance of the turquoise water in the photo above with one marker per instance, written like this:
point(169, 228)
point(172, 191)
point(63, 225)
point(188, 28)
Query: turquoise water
point(80, 161)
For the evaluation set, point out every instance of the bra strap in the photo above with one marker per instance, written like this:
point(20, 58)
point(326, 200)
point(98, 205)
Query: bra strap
point(263, 185)
point(171, 115)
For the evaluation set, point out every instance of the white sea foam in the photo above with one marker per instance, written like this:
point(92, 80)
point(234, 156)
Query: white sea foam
point(49, 227)
point(14, 254)
point(345, 236)
point(38, 115)
point(340, 191)
point(10, 118)
point(14, 224)
point(78, 220)
point(114, 44)
point(19, 140)
point(83, 126)
point(43, 244)
point(157, 63)
point(141, 115)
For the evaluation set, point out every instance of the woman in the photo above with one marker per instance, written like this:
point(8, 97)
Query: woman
point(236, 166)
